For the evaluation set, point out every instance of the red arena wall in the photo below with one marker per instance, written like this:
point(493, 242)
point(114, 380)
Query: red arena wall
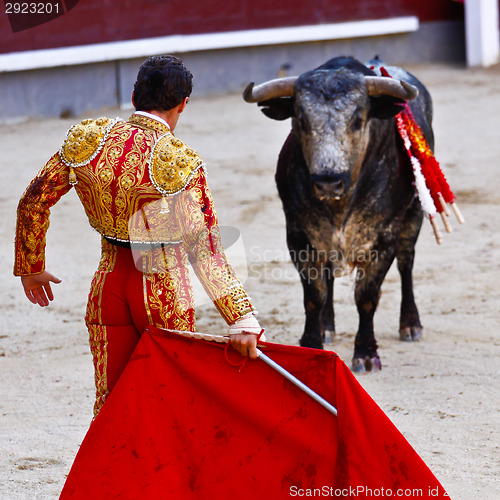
point(80, 22)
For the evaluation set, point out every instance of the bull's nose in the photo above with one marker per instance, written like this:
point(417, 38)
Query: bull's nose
point(329, 186)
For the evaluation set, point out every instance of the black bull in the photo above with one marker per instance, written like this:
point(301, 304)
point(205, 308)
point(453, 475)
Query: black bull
point(347, 189)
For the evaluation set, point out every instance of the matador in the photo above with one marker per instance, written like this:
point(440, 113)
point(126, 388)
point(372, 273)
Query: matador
point(145, 191)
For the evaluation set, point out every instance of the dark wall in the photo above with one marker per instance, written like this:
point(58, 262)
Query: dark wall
point(81, 22)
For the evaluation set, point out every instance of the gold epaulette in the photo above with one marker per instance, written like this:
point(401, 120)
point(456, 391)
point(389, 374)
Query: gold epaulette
point(172, 165)
point(83, 143)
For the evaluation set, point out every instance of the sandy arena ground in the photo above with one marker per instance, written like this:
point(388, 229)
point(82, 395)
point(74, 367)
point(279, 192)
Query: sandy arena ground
point(442, 393)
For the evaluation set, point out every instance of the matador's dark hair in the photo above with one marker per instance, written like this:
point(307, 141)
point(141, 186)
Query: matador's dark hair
point(162, 83)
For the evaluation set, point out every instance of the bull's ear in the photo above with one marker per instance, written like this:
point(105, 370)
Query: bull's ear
point(385, 106)
point(280, 108)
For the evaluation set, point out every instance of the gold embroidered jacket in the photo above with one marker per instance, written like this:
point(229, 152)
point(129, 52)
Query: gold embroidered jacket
point(138, 184)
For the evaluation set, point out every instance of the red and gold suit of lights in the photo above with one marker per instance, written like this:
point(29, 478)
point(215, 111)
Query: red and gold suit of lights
point(146, 193)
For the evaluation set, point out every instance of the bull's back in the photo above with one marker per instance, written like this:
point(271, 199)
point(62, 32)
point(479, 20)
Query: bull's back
point(421, 107)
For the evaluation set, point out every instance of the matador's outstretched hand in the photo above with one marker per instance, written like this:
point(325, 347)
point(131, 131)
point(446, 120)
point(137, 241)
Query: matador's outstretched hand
point(37, 287)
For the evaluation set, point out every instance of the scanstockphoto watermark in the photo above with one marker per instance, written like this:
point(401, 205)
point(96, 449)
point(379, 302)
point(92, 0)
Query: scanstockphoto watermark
point(311, 264)
point(154, 228)
point(366, 492)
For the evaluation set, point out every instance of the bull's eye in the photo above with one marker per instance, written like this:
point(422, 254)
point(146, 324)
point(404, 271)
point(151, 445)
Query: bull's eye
point(357, 122)
point(304, 121)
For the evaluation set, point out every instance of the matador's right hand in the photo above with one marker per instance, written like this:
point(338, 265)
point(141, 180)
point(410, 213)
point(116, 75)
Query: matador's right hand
point(244, 335)
point(37, 287)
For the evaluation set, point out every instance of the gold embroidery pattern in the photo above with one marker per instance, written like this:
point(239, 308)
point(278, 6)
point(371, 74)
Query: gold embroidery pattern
point(106, 265)
point(99, 349)
point(167, 287)
point(218, 277)
point(84, 141)
point(116, 184)
point(168, 294)
point(33, 213)
point(148, 123)
point(172, 165)
point(97, 331)
point(155, 224)
point(203, 243)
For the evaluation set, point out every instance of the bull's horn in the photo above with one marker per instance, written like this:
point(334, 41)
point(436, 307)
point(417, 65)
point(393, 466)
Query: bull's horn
point(382, 85)
point(280, 87)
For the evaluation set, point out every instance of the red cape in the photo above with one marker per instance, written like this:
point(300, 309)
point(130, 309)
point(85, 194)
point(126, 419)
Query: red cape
point(183, 423)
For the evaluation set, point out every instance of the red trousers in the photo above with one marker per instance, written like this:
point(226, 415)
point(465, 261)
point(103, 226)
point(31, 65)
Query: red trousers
point(118, 312)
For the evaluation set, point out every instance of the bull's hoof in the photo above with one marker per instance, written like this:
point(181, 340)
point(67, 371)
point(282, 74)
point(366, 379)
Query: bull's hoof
point(313, 343)
point(411, 333)
point(329, 335)
point(366, 364)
